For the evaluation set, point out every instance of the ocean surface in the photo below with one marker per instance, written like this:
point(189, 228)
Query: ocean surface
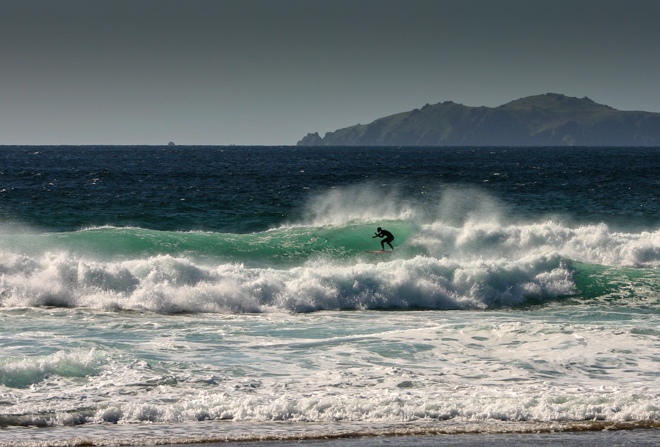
point(170, 295)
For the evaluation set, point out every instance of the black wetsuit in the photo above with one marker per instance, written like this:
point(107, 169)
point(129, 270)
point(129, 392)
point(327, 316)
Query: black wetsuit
point(389, 237)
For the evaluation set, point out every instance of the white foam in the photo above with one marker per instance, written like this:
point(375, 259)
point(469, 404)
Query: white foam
point(595, 244)
point(339, 366)
point(168, 284)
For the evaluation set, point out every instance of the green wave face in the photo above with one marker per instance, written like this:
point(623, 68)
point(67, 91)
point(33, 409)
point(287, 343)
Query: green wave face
point(282, 247)
point(617, 284)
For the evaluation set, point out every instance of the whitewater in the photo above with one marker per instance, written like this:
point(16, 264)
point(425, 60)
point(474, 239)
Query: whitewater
point(219, 295)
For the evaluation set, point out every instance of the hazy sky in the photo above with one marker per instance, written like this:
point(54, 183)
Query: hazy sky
point(267, 72)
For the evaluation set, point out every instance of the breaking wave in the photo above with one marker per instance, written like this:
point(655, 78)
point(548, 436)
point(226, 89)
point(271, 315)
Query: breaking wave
point(464, 254)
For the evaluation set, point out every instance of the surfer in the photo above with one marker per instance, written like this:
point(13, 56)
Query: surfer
point(389, 237)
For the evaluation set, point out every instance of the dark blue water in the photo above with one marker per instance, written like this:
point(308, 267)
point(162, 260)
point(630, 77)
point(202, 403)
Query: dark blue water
point(247, 189)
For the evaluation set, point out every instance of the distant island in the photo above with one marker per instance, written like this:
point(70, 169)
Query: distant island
point(544, 120)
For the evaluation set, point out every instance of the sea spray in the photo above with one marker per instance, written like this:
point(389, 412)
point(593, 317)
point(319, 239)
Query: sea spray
point(366, 202)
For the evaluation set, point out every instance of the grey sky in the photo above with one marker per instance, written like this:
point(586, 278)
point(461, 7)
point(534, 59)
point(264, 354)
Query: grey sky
point(269, 71)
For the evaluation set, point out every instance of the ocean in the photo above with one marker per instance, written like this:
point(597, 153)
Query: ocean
point(177, 295)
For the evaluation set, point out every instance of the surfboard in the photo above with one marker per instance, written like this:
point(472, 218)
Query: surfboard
point(379, 252)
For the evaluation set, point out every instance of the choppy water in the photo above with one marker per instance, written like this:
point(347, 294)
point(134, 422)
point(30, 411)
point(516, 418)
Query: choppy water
point(213, 293)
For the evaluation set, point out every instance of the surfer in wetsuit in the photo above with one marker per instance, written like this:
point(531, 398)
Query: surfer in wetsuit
point(389, 237)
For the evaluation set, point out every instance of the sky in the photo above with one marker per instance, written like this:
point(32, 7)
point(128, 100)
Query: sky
point(267, 72)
